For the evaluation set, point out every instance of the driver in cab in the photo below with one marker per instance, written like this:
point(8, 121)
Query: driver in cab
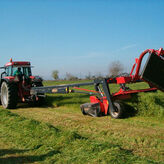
point(18, 73)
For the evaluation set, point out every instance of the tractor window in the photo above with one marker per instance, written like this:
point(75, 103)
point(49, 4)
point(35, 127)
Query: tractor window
point(15, 69)
point(9, 71)
point(25, 70)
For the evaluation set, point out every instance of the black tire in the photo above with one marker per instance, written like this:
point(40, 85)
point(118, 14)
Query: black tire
point(9, 95)
point(82, 110)
point(119, 110)
point(41, 101)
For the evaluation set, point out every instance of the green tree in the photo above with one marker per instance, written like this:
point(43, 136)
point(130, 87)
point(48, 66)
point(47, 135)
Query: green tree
point(55, 74)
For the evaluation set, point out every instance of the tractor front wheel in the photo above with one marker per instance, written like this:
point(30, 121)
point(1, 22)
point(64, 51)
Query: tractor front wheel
point(118, 110)
point(9, 95)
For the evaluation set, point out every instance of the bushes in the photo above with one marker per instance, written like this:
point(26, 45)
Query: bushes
point(149, 104)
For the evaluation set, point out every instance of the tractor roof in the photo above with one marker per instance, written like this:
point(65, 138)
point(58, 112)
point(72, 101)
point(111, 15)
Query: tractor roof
point(17, 63)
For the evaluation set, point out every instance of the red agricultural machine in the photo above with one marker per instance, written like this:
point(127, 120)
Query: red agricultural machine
point(16, 88)
point(27, 88)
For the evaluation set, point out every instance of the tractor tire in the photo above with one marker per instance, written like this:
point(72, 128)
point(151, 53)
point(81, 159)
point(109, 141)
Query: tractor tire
point(41, 100)
point(9, 95)
point(119, 110)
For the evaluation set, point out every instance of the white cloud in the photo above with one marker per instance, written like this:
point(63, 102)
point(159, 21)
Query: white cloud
point(124, 48)
point(128, 46)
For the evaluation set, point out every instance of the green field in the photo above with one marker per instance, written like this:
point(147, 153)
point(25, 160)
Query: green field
point(59, 133)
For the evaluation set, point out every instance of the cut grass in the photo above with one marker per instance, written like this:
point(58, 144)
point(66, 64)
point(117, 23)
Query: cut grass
point(33, 141)
point(59, 132)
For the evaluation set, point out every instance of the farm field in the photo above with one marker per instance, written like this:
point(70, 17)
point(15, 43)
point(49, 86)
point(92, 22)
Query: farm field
point(58, 132)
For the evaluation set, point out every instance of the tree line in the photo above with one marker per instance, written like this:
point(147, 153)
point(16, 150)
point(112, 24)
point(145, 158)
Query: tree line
point(115, 69)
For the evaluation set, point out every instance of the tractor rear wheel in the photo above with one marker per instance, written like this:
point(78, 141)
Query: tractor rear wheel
point(9, 95)
point(118, 110)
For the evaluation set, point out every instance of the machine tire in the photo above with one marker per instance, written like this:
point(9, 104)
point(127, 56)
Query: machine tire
point(9, 95)
point(119, 110)
point(83, 111)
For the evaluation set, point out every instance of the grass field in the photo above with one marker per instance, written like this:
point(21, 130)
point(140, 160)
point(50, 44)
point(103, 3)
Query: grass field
point(58, 132)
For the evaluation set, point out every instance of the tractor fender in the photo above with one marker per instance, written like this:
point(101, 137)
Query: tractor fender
point(7, 80)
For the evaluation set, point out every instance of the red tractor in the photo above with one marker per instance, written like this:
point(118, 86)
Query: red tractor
point(16, 88)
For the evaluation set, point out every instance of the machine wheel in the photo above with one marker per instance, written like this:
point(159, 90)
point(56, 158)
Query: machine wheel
point(119, 110)
point(9, 95)
point(82, 110)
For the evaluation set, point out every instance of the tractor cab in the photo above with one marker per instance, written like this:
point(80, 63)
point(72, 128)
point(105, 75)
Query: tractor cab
point(12, 67)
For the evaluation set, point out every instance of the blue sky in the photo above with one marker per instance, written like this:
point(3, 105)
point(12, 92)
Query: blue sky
point(79, 36)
